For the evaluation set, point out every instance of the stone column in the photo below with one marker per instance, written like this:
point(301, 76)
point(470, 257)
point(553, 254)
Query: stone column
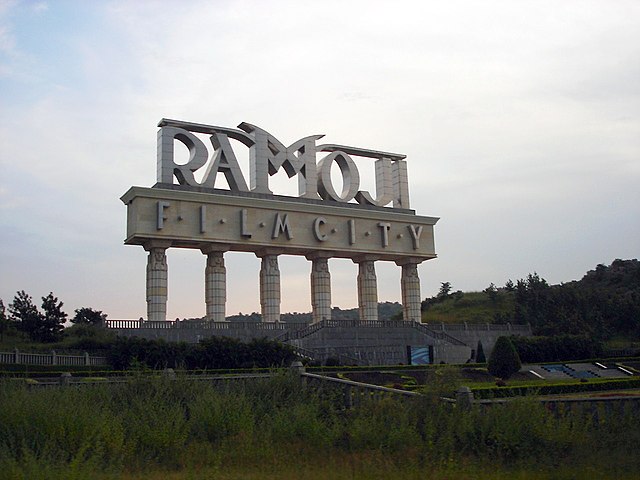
point(215, 285)
point(270, 288)
point(320, 288)
point(367, 290)
point(157, 281)
point(410, 287)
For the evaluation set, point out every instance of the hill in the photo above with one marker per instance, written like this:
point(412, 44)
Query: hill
point(471, 307)
point(604, 304)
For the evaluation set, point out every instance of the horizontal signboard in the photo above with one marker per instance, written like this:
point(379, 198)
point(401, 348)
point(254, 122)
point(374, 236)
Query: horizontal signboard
point(193, 219)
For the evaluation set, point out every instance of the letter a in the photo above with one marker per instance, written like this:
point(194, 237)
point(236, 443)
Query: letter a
point(224, 161)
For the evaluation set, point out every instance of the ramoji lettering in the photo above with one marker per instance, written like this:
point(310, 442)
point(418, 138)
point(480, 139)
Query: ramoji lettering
point(267, 155)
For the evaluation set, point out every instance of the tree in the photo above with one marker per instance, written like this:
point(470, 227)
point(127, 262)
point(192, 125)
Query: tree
point(26, 315)
point(509, 286)
point(4, 321)
point(504, 360)
point(445, 288)
point(492, 292)
point(53, 319)
point(480, 356)
point(88, 316)
point(41, 327)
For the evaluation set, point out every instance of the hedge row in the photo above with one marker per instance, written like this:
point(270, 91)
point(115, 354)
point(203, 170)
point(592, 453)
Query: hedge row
point(52, 370)
point(556, 388)
point(210, 353)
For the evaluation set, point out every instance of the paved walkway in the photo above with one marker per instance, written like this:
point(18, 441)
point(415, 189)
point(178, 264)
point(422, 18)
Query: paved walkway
point(565, 371)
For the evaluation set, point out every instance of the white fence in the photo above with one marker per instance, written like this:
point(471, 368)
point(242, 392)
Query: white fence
point(20, 358)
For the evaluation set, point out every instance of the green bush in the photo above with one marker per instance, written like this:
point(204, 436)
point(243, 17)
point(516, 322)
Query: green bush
point(480, 356)
point(504, 360)
point(211, 353)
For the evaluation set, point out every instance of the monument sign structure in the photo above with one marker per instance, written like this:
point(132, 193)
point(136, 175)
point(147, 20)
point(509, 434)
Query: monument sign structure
point(323, 222)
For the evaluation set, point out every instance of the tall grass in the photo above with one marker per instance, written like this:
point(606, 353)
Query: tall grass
point(267, 427)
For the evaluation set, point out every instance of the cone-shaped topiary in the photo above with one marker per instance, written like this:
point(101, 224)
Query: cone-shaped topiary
point(504, 360)
point(480, 356)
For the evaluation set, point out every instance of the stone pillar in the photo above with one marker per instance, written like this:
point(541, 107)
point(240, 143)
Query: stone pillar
point(215, 285)
point(410, 287)
point(270, 288)
point(320, 288)
point(367, 290)
point(157, 281)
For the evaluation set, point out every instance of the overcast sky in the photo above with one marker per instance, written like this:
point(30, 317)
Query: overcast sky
point(520, 122)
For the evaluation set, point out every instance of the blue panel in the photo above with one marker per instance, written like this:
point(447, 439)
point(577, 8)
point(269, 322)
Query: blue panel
point(420, 356)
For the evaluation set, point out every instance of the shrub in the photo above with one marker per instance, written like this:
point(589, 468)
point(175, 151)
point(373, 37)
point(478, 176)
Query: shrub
point(480, 356)
point(210, 353)
point(504, 360)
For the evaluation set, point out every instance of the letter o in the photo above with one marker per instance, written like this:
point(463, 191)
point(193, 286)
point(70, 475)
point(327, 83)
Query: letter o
point(350, 177)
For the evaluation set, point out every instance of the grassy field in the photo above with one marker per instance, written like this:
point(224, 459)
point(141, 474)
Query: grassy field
point(472, 307)
point(179, 429)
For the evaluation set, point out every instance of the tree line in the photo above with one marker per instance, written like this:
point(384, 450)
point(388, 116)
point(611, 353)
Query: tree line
point(46, 324)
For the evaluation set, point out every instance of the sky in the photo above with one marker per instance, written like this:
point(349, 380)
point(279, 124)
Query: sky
point(520, 122)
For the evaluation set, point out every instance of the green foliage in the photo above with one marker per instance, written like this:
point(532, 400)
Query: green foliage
point(4, 321)
point(556, 348)
point(25, 314)
point(492, 292)
point(480, 356)
point(443, 383)
point(445, 289)
point(52, 320)
point(504, 360)
point(41, 327)
point(604, 303)
point(569, 386)
point(470, 307)
point(188, 428)
point(48, 371)
point(211, 353)
point(88, 316)
point(87, 338)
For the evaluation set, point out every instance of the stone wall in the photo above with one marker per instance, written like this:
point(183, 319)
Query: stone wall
point(470, 334)
point(366, 343)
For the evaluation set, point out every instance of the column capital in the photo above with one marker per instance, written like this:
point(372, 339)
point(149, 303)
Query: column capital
point(365, 258)
point(318, 256)
point(409, 261)
point(263, 252)
point(149, 244)
point(214, 247)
